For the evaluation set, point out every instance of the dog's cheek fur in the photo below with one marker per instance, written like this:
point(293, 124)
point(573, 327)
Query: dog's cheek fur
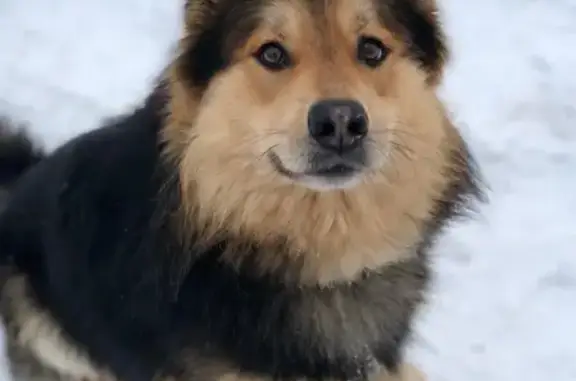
point(239, 136)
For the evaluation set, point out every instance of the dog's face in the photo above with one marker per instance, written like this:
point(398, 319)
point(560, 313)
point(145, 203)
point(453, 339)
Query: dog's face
point(315, 121)
point(314, 93)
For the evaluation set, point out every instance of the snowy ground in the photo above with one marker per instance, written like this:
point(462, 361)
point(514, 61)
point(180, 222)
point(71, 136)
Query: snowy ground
point(505, 301)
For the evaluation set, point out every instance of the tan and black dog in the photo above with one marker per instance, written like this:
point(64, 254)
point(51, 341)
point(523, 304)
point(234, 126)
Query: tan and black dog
point(266, 214)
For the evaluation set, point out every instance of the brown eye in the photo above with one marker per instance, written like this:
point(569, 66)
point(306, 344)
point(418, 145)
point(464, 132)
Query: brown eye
point(273, 56)
point(371, 51)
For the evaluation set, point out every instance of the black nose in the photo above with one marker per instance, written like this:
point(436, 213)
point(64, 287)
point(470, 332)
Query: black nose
point(338, 124)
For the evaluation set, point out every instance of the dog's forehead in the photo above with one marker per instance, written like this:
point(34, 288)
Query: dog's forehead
point(281, 13)
point(321, 14)
point(276, 13)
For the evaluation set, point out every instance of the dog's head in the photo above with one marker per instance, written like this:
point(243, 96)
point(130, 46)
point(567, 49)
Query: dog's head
point(315, 93)
point(306, 117)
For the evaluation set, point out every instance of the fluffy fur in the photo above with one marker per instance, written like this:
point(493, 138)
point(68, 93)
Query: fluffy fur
point(168, 244)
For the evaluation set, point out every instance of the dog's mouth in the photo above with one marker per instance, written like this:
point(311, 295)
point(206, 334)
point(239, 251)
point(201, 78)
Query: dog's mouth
point(338, 170)
point(329, 170)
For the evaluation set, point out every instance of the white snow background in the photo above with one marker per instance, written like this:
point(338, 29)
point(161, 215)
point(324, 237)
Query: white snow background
point(504, 304)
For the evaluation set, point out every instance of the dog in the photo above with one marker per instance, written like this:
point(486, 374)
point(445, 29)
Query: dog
point(265, 214)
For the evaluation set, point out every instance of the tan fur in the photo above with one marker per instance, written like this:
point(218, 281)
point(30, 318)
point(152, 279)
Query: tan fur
point(222, 142)
point(219, 371)
point(407, 373)
point(33, 330)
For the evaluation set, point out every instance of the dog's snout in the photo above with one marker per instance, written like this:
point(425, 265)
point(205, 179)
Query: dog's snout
point(338, 124)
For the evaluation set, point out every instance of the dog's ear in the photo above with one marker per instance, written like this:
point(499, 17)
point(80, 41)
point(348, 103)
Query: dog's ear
point(430, 11)
point(419, 22)
point(213, 30)
point(201, 50)
point(198, 12)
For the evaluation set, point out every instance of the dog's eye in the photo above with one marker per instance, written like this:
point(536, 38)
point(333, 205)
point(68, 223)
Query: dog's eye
point(371, 51)
point(273, 56)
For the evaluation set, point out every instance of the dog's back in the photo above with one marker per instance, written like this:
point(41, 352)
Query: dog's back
point(17, 154)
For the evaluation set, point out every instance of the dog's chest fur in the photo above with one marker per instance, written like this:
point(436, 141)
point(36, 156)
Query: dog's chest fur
point(347, 331)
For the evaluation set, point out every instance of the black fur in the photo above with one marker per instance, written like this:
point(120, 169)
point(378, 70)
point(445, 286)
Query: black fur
point(77, 225)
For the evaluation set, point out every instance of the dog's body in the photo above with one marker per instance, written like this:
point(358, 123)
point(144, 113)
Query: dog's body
point(206, 237)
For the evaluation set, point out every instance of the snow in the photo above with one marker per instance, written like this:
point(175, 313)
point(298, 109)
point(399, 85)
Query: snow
point(503, 306)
